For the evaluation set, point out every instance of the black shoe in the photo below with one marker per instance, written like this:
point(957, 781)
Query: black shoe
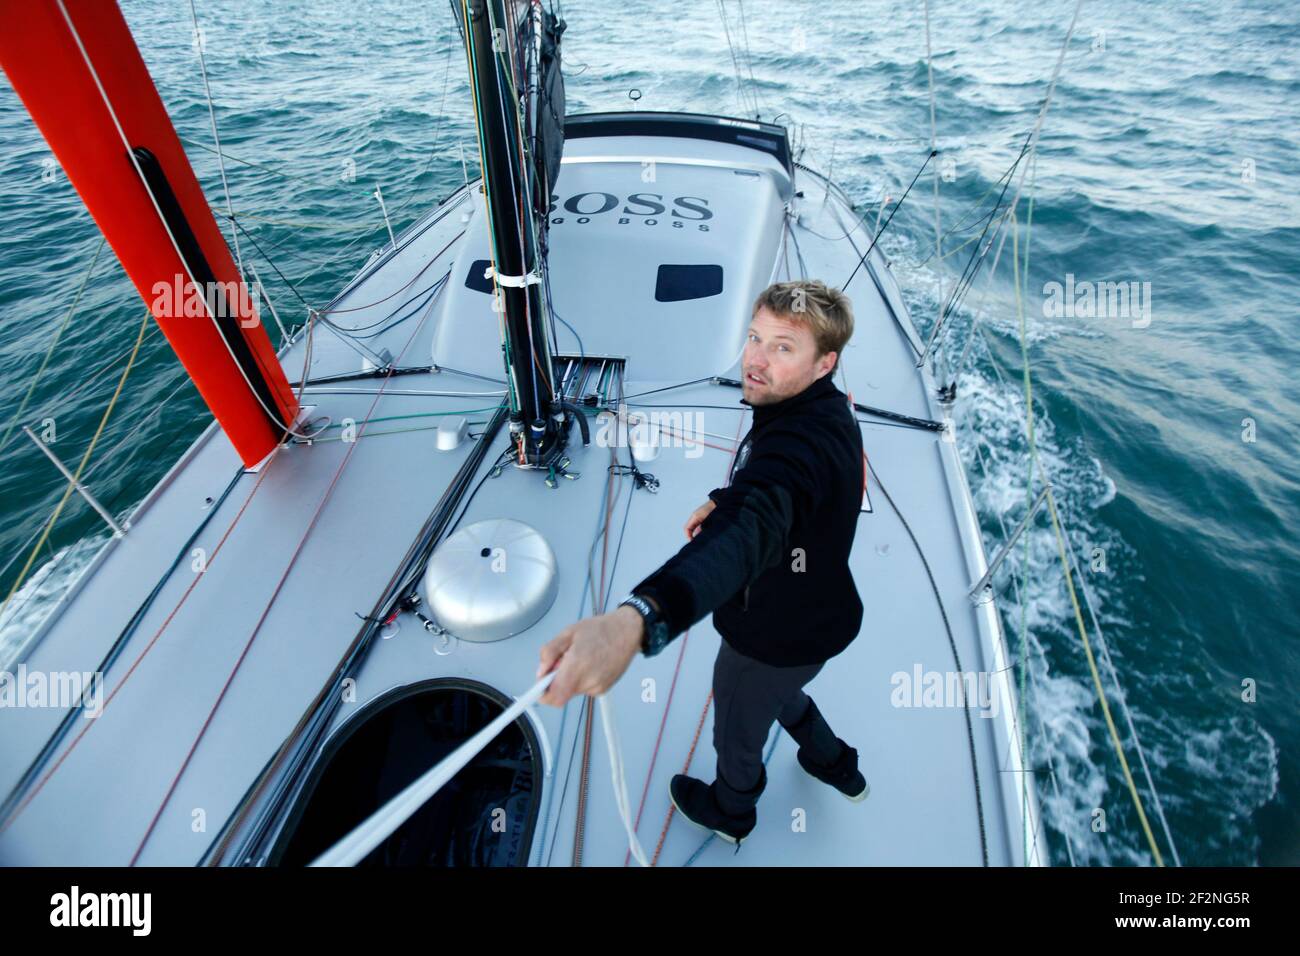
point(695, 800)
point(843, 775)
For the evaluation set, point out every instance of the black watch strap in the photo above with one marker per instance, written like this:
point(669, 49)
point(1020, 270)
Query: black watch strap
point(655, 637)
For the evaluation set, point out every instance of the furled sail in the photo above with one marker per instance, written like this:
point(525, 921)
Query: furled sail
point(513, 53)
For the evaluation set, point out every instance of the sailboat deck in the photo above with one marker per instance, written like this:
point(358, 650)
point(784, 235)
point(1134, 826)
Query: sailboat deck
point(287, 576)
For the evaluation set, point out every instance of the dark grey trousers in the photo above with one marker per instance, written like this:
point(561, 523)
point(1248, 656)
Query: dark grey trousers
point(748, 695)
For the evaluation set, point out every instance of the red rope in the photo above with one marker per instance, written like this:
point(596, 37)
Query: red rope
point(279, 585)
point(136, 663)
point(654, 755)
point(668, 819)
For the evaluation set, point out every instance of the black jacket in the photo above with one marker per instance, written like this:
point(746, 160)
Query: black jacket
point(771, 560)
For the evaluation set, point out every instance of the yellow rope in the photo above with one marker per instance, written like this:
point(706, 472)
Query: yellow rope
point(1065, 564)
point(31, 390)
point(67, 493)
point(1096, 679)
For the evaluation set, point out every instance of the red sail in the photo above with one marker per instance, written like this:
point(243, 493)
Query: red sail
point(82, 79)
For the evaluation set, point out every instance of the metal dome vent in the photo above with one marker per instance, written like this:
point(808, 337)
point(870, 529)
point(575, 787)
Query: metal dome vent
point(490, 580)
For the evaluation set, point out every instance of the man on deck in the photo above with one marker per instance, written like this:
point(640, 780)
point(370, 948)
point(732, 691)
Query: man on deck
point(768, 554)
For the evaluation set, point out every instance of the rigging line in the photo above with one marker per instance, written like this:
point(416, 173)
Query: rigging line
point(599, 601)
point(929, 72)
point(785, 250)
point(952, 644)
point(410, 282)
point(1032, 142)
point(1021, 602)
point(979, 310)
point(999, 220)
point(666, 388)
point(297, 223)
point(246, 162)
point(94, 75)
point(1096, 679)
point(615, 751)
point(437, 130)
point(136, 619)
point(7, 814)
point(893, 314)
point(90, 471)
point(654, 753)
point(418, 299)
point(588, 584)
point(1065, 564)
point(735, 63)
point(880, 232)
point(798, 252)
point(212, 115)
point(430, 297)
point(9, 819)
point(615, 754)
point(690, 754)
point(76, 478)
point(432, 155)
point(971, 269)
point(992, 215)
point(274, 244)
point(477, 99)
point(320, 508)
point(1029, 424)
point(76, 300)
point(960, 225)
point(1119, 693)
point(61, 402)
point(749, 57)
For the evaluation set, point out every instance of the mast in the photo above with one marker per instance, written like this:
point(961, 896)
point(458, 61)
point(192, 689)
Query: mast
point(518, 96)
point(79, 73)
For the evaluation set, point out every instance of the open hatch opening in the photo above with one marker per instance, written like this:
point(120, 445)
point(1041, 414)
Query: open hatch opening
point(484, 816)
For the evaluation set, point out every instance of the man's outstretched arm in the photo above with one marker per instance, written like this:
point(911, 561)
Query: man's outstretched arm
point(745, 535)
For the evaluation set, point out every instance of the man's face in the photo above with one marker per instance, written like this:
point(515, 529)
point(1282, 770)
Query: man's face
point(780, 359)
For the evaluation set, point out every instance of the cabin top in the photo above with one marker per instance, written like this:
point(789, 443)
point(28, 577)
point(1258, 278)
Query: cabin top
point(706, 216)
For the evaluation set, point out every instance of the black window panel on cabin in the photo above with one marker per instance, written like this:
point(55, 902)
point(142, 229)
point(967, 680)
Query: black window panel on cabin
point(677, 283)
point(475, 278)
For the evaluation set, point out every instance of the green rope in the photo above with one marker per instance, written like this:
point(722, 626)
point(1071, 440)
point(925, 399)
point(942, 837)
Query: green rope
point(394, 418)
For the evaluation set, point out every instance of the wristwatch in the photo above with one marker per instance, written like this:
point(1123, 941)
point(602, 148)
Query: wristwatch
point(655, 638)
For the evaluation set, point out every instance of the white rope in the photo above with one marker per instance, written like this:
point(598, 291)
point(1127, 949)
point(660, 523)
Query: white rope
point(620, 779)
point(938, 231)
point(1042, 113)
point(381, 824)
point(221, 162)
point(354, 847)
point(161, 218)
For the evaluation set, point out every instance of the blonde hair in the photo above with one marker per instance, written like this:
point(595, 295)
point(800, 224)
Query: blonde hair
point(827, 312)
